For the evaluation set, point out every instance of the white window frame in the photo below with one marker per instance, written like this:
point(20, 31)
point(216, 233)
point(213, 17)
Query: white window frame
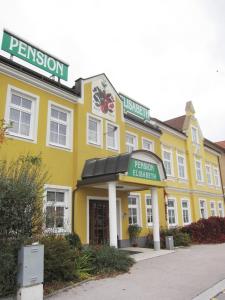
point(201, 171)
point(220, 210)
point(135, 145)
point(216, 176)
point(208, 173)
point(180, 154)
point(99, 143)
point(152, 147)
point(168, 150)
point(69, 129)
point(175, 212)
point(188, 209)
point(205, 209)
point(197, 135)
point(34, 113)
point(137, 206)
point(116, 136)
point(214, 214)
point(67, 205)
point(149, 224)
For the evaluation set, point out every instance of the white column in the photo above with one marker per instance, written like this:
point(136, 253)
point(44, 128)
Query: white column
point(155, 214)
point(112, 214)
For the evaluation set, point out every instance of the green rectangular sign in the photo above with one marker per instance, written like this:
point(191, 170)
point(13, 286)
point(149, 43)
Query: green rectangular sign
point(20, 48)
point(142, 169)
point(134, 108)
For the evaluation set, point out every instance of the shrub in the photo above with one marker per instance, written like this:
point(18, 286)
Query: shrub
point(211, 230)
point(83, 265)
point(107, 260)
point(58, 259)
point(74, 240)
point(180, 238)
point(134, 232)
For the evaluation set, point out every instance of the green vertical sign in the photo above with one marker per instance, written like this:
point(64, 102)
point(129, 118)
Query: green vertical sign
point(31, 54)
point(134, 108)
point(142, 169)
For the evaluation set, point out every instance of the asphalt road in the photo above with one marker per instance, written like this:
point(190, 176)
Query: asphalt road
point(177, 276)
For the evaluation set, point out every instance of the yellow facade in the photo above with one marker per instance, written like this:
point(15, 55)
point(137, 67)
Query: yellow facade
point(65, 164)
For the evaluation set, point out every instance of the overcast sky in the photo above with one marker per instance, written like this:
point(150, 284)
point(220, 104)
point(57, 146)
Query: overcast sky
point(161, 53)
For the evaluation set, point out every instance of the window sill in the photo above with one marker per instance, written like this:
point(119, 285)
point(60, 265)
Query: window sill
point(21, 138)
point(112, 149)
point(59, 147)
point(94, 145)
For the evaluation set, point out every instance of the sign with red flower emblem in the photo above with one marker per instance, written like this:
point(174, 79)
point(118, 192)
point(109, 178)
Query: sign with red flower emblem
point(103, 102)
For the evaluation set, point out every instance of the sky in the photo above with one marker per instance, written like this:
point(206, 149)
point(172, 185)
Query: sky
point(161, 53)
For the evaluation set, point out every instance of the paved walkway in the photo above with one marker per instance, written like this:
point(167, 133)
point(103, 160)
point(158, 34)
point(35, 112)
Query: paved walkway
point(182, 275)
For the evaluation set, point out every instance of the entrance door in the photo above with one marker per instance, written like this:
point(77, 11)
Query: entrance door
point(98, 222)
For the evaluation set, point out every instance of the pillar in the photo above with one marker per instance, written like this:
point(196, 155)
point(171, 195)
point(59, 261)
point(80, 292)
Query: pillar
point(155, 214)
point(112, 214)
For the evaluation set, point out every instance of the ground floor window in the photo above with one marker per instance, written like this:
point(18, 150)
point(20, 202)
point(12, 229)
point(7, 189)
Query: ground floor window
point(57, 211)
point(133, 207)
point(149, 215)
point(186, 214)
point(220, 209)
point(172, 213)
point(203, 209)
point(213, 208)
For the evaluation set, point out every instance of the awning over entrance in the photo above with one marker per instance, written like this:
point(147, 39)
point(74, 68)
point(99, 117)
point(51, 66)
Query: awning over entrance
point(133, 171)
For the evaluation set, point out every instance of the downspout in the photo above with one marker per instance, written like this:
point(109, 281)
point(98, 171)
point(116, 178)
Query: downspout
point(73, 205)
point(221, 182)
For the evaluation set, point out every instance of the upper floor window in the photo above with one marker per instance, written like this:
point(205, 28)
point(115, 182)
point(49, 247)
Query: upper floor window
point(208, 174)
point(149, 215)
point(203, 209)
point(147, 145)
point(134, 211)
point(181, 165)
point(168, 161)
point(216, 176)
point(94, 133)
point(57, 210)
point(172, 212)
point(112, 136)
point(194, 133)
point(198, 169)
point(213, 208)
point(60, 126)
point(22, 114)
point(131, 142)
point(186, 214)
point(220, 209)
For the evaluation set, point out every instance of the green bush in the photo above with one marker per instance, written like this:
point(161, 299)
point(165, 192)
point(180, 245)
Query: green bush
point(74, 240)
point(107, 260)
point(134, 231)
point(58, 259)
point(180, 238)
point(83, 265)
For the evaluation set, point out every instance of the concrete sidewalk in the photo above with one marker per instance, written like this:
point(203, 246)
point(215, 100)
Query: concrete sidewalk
point(182, 275)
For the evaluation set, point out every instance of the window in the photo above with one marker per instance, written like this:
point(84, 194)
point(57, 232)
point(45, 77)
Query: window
point(94, 131)
point(131, 142)
point(167, 160)
point(133, 207)
point(220, 209)
point(198, 169)
point(216, 176)
point(194, 133)
point(208, 174)
point(186, 211)
point(171, 210)
point(22, 114)
point(112, 136)
point(149, 215)
point(57, 210)
point(147, 145)
point(181, 166)
point(213, 208)
point(203, 209)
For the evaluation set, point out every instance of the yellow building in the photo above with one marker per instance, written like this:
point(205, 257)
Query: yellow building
point(106, 157)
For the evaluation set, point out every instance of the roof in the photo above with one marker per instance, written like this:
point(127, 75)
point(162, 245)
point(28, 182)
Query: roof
point(141, 122)
point(176, 123)
point(213, 146)
point(36, 75)
point(165, 124)
point(221, 144)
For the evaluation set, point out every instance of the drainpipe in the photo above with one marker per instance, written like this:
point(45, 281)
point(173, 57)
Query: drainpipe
point(221, 182)
point(73, 196)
